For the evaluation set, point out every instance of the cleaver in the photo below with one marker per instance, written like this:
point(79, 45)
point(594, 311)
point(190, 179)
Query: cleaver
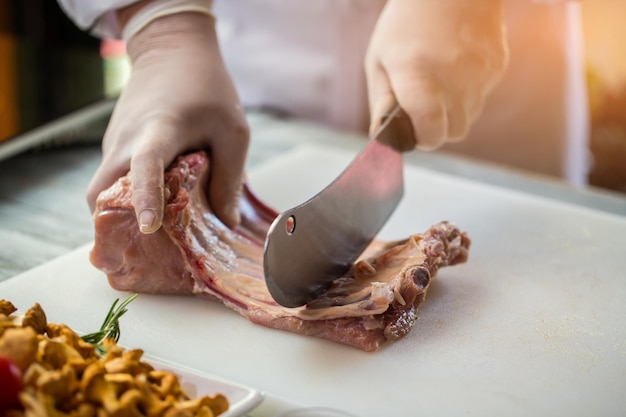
point(309, 246)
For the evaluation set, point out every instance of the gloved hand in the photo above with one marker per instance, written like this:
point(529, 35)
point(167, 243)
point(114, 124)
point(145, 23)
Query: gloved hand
point(438, 59)
point(179, 98)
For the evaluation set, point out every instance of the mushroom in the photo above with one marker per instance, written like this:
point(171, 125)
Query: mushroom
point(127, 406)
point(35, 317)
point(175, 411)
point(124, 365)
point(5, 323)
point(56, 353)
point(153, 404)
point(205, 405)
point(164, 383)
point(20, 345)
point(60, 383)
point(38, 404)
point(63, 376)
point(7, 308)
point(84, 409)
point(64, 333)
point(122, 382)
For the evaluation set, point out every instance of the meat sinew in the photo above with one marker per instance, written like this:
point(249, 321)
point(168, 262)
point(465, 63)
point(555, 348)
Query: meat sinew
point(194, 253)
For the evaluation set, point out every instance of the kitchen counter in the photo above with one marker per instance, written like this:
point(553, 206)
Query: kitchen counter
point(43, 212)
point(503, 334)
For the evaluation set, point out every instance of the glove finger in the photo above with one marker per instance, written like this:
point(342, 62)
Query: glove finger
point(227, 171)
point(104, 177)
point(381, 97)
point(458, 121)
point(382, 101)
point(147, 167)
point(147, 192)
point(475, 105)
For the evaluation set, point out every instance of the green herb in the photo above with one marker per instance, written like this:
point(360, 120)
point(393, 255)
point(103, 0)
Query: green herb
point(110, 327)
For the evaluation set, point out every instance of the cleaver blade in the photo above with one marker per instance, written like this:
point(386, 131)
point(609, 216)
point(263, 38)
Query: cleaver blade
point(309, 246)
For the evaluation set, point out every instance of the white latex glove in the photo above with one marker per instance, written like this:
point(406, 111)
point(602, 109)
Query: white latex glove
point(438, 59)
point(179, 98)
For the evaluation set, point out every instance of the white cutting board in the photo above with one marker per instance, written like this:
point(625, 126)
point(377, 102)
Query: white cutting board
point(533, 324)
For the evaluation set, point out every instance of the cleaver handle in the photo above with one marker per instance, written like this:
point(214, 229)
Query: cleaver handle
point(399, 134)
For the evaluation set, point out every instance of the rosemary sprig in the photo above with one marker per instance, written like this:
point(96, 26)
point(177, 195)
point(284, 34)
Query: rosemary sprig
point(110, 327)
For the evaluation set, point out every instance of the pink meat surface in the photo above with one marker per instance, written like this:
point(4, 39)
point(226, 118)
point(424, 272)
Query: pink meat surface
point(194, 253)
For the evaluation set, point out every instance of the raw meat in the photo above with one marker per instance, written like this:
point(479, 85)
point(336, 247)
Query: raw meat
point(194, 253)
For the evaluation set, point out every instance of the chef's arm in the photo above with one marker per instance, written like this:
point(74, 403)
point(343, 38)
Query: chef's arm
point(439, 60)
point(179, 98)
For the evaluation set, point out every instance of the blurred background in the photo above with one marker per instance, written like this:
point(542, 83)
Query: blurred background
point(49, 68)
point(605, 60)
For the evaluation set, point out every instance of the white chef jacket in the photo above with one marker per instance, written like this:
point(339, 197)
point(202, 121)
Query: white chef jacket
point(305, 58)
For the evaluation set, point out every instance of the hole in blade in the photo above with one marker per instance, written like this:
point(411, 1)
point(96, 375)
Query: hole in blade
point(290, 225)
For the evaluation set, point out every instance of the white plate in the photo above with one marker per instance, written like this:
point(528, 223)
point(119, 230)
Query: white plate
point(241, 398)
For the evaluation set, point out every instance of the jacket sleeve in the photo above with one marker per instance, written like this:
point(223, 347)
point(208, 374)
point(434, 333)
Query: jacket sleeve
point(96, 16)
point(100, 19)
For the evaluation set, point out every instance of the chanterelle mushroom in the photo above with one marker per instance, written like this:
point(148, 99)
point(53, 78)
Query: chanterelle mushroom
point(35, 317)
point(64, 376)
point(20, 345)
